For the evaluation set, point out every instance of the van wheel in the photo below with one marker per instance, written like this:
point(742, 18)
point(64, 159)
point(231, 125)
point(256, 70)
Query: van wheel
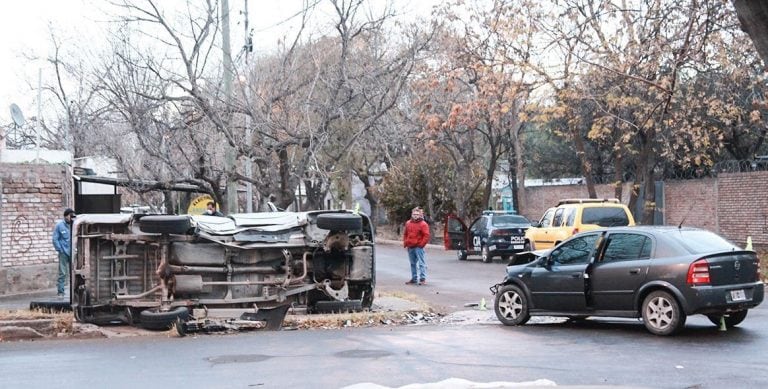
point(153, 319)
point(165, 224)
point(339, 221)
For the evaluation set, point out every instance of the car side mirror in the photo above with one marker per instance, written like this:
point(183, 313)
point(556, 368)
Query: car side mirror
point(536, 224)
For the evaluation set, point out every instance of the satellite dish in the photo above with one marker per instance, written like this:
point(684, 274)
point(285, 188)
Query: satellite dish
point(17, 116)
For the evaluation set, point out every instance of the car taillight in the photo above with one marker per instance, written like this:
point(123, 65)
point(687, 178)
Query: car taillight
point(575, 231)
point(497, 233)
point(698, 273)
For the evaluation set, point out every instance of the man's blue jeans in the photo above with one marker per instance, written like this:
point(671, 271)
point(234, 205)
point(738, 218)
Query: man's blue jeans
point(63, 272)
point(418, 264)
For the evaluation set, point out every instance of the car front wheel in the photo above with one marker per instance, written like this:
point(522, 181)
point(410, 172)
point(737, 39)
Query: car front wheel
point(486, 256)
point(731, 319)
point(662, 314)
point(511, 306)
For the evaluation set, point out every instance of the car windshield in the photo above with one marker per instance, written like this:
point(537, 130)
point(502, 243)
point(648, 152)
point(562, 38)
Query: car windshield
point(700, 242)
point(508, 220)
point(605, 216)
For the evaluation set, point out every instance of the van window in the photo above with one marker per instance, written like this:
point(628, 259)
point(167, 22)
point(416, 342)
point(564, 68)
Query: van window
point(546, 220)
point(557, 221)
point(604, 216)
point(570, 216)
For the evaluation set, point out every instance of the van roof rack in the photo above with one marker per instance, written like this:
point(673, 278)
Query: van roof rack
point(583, 201)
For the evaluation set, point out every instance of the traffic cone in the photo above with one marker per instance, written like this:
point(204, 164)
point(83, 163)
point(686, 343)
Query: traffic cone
point(749, 243)
point(482, 306)
point(722, 323)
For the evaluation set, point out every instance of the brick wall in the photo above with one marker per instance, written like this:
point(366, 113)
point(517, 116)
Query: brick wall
point(743, 207)
point(692, 202)
point(734, 205)
point(536, 200)
point(33, 197)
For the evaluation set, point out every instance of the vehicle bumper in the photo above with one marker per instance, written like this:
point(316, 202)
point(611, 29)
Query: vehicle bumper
point(505, 248)
point(718, 299)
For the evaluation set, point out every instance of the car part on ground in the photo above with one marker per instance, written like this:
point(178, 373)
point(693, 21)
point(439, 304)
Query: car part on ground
point(659, 274)
point(203, 273)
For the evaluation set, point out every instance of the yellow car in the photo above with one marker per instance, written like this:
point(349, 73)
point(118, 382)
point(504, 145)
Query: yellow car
point(572, 216)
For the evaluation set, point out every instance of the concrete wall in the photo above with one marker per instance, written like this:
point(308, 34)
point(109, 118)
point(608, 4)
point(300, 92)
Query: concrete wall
point(33, 197)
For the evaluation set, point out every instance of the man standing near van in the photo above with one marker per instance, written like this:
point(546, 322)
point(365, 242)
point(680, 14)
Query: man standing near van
point(415, 237)
point(62, 238)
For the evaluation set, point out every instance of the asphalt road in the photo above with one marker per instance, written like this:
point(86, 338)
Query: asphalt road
point(595, 352)
point(450, 283)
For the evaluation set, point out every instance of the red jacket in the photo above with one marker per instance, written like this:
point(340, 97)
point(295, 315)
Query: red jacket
point(416, 234)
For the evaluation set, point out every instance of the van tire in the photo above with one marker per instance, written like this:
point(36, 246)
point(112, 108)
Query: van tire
point(339, 221)
point(165, 224)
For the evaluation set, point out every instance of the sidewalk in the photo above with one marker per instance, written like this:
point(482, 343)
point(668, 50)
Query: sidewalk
point(22, 300)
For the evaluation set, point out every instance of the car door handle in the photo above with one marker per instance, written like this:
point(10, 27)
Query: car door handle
point(634, 271)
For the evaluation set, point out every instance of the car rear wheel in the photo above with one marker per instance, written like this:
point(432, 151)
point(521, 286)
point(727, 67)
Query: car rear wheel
point(485, 255)
point(511, 306)
point(461, 254)
point(662, 314)
point(527, 246)
point(731, 319)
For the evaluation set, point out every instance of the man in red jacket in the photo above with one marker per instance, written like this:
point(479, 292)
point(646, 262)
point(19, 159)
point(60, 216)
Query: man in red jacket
point(415, 237)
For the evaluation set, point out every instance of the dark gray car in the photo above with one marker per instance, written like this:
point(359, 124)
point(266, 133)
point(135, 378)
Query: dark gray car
point(662, 274)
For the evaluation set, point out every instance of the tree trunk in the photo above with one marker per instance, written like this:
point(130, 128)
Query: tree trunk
point(618, 176)
point(286, 194)
point(315, 193)
point(753, 16)
point(586, 168)
point(489, 176)
point(518, 180)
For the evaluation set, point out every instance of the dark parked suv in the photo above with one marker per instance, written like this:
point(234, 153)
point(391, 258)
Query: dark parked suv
point(494, 233)
point(662, 274)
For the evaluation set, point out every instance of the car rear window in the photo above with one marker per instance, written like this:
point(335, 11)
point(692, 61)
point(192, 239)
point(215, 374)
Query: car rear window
point(700, 242)
point(508, 220)
point(604, 216)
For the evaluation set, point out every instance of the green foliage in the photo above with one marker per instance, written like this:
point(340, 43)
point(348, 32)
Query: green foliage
point(408, 183)
point(549, 155)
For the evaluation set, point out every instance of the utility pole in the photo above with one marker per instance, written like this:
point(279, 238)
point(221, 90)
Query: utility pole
point(248, 141)
point(230, 154)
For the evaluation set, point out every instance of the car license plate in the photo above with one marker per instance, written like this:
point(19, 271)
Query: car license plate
point(738, 295)
point(517, 247)
point(492, 248)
